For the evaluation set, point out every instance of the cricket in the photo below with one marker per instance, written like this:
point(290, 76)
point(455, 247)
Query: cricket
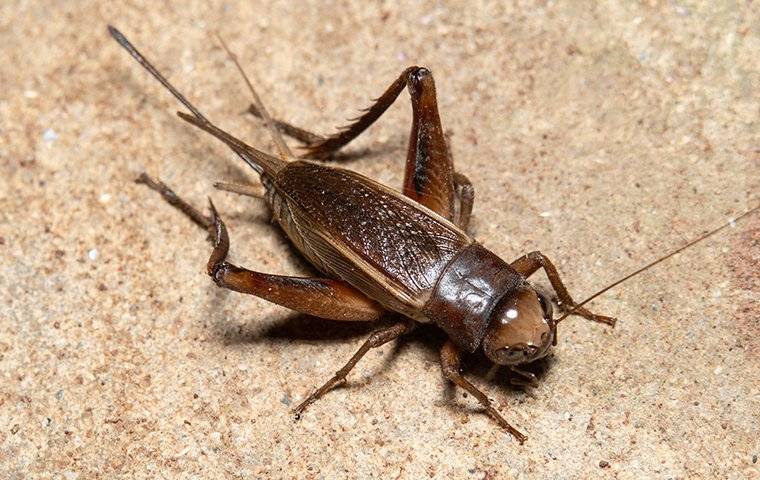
point(404, 257)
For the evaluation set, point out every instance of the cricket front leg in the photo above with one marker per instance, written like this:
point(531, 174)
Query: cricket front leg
point(451, 362)
point(376, 339)
point(321, 297)
point(531, 262)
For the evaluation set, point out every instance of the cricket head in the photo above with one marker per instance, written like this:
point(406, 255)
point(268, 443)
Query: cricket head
point(521, 328)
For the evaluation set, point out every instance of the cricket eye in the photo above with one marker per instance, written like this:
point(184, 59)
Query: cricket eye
point(519, 330)
point(546, 305)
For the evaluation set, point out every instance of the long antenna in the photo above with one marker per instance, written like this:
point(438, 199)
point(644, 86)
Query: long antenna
point(661, 259)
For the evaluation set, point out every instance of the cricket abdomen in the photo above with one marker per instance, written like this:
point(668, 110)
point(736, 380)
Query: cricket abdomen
point(389, 247)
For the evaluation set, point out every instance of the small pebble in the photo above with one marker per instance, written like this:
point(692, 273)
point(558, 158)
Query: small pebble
point(604, 464)
point(93, 254)
point(718, 370)
point(49, 135)
point(104, 197)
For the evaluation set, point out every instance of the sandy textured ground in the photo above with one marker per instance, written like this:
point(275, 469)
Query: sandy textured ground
point(602, 133)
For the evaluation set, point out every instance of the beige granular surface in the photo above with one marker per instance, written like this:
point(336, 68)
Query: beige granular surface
point(602, 133)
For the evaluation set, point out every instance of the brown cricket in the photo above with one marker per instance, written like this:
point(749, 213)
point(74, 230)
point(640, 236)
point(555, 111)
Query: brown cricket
point(405, 255)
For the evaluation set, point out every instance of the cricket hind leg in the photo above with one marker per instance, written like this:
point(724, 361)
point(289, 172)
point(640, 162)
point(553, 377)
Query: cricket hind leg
point(322, 147)
point(321, 297)
point(465, 194)
point(302, 135)
point(464, 191)
point(531, 262)
point(451, 362)
point(429, 174)
point(176, 201)
point(376, 339)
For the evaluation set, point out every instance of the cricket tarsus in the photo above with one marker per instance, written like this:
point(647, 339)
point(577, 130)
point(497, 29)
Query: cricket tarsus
point(376, 339)
point(646, 267)
point(176, 201)
point(531, 262)
point(451, 361)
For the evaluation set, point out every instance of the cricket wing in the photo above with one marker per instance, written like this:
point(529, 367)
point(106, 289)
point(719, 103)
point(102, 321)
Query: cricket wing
point(384, 244)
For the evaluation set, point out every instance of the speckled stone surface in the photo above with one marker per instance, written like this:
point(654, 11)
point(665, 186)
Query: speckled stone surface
point(602, 133)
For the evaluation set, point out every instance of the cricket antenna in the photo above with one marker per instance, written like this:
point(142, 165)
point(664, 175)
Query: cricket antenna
point(661, 259)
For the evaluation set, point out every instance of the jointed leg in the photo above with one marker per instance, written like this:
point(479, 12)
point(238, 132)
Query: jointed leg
point(335, 142)
point(451, 359)
point(465, 193)
point(429, 175)
point(320, 297)
point(376, 339)
point(304, 136)
point(175, 201)
point(240, 189)
point(528, 264)
point(321, 147)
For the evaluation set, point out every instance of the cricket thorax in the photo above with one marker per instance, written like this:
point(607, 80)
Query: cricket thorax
point(468, 291)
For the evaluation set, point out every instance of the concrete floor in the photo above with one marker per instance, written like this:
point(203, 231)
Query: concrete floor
point(602, 133)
